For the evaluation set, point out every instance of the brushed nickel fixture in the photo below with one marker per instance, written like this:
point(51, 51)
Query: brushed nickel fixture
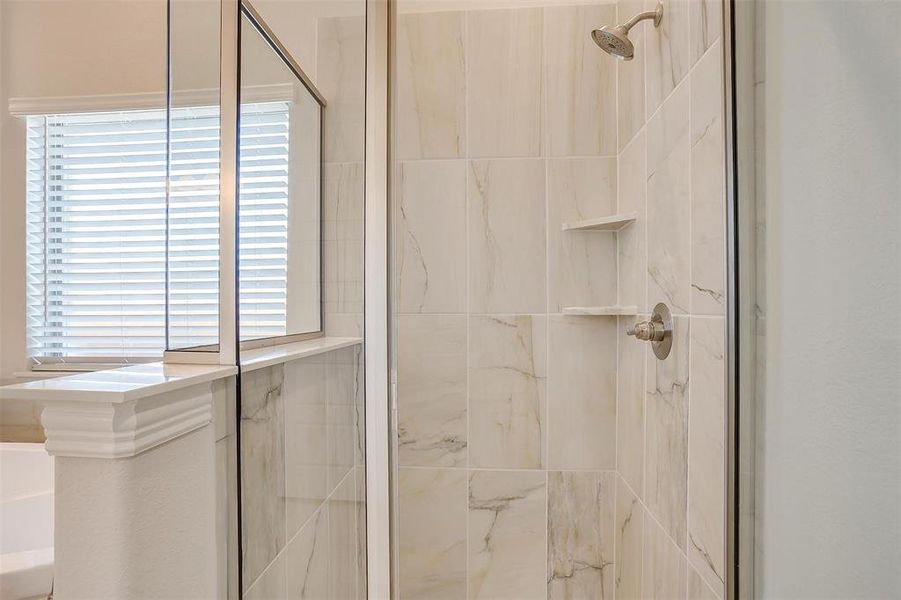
point(658, 330)
point(615, 40)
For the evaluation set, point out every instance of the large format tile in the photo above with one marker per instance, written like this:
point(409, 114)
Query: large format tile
point(667, 60)
point(431, 222)
point(306, 439)
point(262, 469)
point(697, 589)
point(271, 584)
point(581, 103)
point(630, 518)
point(362, 553)
point(507, 243)
point(669, 210)
point(663, 566)
point(708, 187)
point(632, 240)
point(582, 264)
point(630, 406)
point(307, 559)
point(342, 541)
point(580, 535)
point(431, 390)
point(342, 246)
point(341, 71)
point(341, 416)
point(507, 391)
point(503, 82)
point(432, 533)
point(431, 85)
point(582, 393)
point(630, 76)
point(507, 528)
point(706, 457)
point(706, 18)
point(666, 437)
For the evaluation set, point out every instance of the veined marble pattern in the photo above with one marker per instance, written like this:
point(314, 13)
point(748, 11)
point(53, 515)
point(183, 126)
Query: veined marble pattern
point(342, 546)
point(507, 391)
point(669, 243)
point(667, 59)
point(706, 17)
point(581, 103)
point(262, 468)
point(431, 266)
point(503, 82)
point(708, 186)
point(359, 406)
point(306, 439)
point(432, 533)
point(362, 553)
point(631, 77)
point(507, 252)
point(630, 518)
point(307, 559)
point(507, 524)
point(431, 85)
point(706, 476)
point(630, 409)
point(664, 568)
point(580, 535)
point(341, 416)
point(581, 393)
point(632, 240)
point(666, 437)
point(341, 61)
point(271, 584)
point(342, 247)
point(582, 265)
point(697, 589)
point(431, 390)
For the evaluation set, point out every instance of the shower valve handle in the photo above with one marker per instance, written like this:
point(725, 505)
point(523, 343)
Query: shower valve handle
point(648, 331)
point(658, 330)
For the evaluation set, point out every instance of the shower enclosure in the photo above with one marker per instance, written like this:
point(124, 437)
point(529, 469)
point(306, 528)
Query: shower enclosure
point(265, 271)
point(545, 197)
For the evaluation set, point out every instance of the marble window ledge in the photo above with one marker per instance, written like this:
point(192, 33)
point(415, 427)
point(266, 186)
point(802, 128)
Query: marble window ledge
point(151, 379)
point(259, 358)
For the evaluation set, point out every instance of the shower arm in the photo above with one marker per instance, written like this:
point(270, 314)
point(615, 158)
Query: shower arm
point(656, 15)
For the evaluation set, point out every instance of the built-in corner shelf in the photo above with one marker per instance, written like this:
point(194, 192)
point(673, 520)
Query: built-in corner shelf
point(609, 223)
point(601, 311)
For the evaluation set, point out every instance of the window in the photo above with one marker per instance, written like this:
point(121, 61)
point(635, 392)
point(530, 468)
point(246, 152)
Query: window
point(96, 230)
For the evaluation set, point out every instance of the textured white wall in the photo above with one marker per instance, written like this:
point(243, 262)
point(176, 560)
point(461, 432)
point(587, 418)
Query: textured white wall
point(830, 468)
point(141, 527)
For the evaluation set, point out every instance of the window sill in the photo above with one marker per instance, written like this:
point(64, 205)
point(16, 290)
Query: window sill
point(272, 355)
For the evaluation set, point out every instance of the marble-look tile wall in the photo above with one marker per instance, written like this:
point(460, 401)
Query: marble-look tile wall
point(341, 77)
point(302, 479)
point(506, 407)
point(670, 498)
point(543, 455)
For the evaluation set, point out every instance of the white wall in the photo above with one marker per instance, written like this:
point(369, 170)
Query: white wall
point(829, 484)
point(61, 48)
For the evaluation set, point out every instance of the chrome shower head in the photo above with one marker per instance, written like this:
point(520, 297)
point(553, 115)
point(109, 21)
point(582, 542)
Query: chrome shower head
point(615, 40)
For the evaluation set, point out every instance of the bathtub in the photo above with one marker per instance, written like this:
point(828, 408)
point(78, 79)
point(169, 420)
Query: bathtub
point(26, 521)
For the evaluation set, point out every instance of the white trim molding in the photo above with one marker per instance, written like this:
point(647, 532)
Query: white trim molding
point(104, 429)
point(121, 412)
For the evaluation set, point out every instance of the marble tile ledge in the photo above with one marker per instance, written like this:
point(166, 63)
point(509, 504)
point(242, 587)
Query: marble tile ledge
point(259, 358)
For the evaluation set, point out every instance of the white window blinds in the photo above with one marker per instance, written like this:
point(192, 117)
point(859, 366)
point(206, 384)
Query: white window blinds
point(96, 231)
